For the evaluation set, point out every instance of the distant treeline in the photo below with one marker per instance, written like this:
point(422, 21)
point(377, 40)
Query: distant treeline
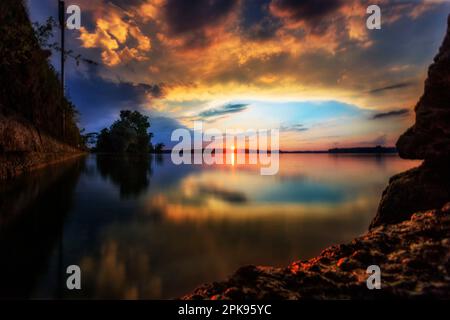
point(377, 149)
point(29, 85)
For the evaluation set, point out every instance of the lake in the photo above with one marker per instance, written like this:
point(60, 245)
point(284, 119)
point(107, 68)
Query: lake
point(142, 227)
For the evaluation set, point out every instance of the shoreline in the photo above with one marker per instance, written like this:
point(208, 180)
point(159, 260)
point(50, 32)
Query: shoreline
point(413, 257)
point(24, 148)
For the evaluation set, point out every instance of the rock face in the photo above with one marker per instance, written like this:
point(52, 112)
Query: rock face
point(418, 189)
point(427, 186)
point(414, 258)
point(23, 147)
point(429, 137)
point(32, 133)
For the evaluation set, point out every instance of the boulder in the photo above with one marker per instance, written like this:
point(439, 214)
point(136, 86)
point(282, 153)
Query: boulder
point(415, 190)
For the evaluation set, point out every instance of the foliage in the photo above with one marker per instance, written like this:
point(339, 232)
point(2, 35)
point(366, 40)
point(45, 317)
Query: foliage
point(129, 134)
point(45, 34)
point(159, 147)
point(29, 85)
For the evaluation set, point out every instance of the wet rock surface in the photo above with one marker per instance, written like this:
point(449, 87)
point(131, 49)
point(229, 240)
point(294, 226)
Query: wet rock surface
point(414, 257)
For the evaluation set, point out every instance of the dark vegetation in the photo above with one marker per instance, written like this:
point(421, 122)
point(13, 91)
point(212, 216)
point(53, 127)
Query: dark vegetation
point(129, 134)
point(29, 85)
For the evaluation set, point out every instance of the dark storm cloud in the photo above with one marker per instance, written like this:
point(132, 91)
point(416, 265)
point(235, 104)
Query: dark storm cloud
point(126, 3)
point(307, 10)
point(263, 30)
point(256, 22)
point(154, 90)
point(162, 128)
point(186, 16)
point(101, 100)
point(391, 87)
point(391, 114)
point(228, 109)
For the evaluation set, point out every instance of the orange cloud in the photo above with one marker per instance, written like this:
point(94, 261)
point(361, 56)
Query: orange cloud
point(317, 58)
point(111, 35)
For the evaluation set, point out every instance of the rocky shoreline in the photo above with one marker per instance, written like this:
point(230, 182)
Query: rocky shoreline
point(414, 258)
point(24, 148)
point(34, 131)
point(409, 238)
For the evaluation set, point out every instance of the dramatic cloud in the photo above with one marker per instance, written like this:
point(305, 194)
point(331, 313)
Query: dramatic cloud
point(312, 11)
point(176, 59)
point(154, 90)
point(185, 16)
point(391, 87)
point(391, 114)
point(294, 128)
point(225, 110)
point(256, 22)
point(162, 128)
point(113, 34)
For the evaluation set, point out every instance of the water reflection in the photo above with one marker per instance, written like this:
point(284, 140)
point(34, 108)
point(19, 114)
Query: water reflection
point(145, 228)
point(32, 211)
point(131, 173)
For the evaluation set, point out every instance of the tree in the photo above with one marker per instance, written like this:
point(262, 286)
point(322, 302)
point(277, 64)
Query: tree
point(103, 141)
point(129, 134)
point(45, 35)
point(159, 147)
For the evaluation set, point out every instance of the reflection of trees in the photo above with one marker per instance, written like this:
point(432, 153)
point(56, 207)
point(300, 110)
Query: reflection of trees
point(159, 159)
point(32, 212)
point(131, 173)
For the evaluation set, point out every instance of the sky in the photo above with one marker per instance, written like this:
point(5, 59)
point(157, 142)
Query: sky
point(310, 68)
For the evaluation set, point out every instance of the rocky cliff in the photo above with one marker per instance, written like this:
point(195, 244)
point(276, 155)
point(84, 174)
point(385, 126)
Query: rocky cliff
point(428, 186)
point(429, 137)
point(409, 239)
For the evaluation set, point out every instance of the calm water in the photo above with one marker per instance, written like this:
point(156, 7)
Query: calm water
point(145, 228)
